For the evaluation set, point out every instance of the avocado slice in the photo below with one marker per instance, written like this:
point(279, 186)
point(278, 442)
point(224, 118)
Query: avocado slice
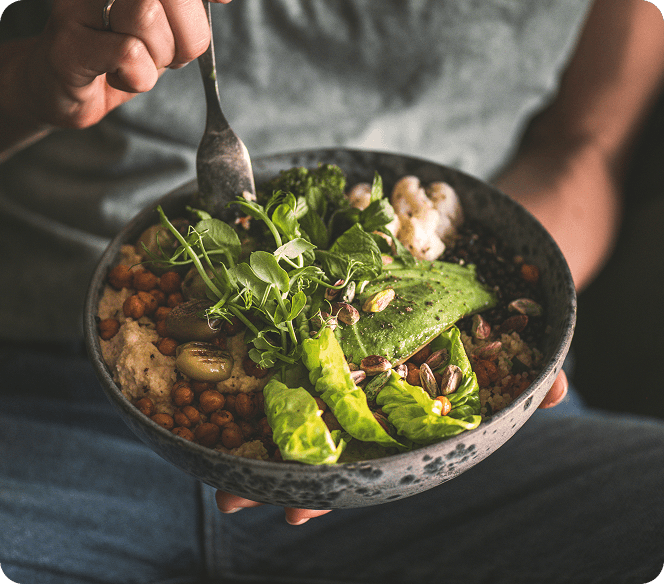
point(430, 297)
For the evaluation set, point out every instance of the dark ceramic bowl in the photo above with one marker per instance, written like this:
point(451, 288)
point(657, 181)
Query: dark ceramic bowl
point(379, 480)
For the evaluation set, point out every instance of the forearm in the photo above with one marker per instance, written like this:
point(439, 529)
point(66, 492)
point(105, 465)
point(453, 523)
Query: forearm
point(570, 166)
point(19, 126)
point(572, 191)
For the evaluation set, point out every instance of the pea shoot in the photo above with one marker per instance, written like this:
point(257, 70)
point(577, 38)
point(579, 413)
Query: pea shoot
point(276, 290)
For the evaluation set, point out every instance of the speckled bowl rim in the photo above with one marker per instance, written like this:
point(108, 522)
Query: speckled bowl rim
point(527, 401)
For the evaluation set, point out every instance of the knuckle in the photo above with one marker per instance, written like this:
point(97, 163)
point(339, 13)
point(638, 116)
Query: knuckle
point(193, 49)
point(132, 51)
point(148, 14)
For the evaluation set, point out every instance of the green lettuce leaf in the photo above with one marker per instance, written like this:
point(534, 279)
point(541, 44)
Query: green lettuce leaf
point(416, 415)
point(329, 373)
point(297, 427)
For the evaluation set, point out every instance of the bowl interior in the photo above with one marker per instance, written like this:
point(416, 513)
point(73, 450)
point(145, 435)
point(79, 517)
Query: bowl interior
point(378, 480)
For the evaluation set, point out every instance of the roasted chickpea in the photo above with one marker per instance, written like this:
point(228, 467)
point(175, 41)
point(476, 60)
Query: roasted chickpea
point(161, 328)
point(230, 402)
point(149, 301)
point(165, 420)
point(207, 434)
point(264, 428)
point(120, 277)
point(145, 405)
point(247, 429)
point(245, 406)
point(211, 400)
point(231, 436)
point(108, 328)
point(184, 432)
point(260, 403)
point(159, 296)
point(170, 282)
point(133, 307)
point(198, 387)
point(167, 346)
point(144, 280)
point(174, 299)
point(187, 416)
point(182, 394)
point(221, 418)
point(161, 312)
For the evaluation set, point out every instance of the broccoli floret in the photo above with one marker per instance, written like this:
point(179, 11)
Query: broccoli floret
point(329, 180)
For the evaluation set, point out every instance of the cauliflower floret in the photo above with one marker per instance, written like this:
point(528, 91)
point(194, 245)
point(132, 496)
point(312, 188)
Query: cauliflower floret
point(446, 203)
point(360, 196)
point(418, 219)
point(421, 241)
point(427, 217)
point(409, 198)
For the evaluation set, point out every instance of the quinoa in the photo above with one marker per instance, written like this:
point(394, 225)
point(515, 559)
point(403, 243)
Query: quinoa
point(508, 373)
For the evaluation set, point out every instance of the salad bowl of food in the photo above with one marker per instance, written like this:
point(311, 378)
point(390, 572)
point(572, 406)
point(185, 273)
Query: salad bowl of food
point(371, 326)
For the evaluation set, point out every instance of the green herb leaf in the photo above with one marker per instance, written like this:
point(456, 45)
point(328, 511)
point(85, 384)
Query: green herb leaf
point(377, 215)
point(217, 235)
point(354, 250)
point(266, 267)
point(376, 188)
point(293, 249)
point(314, 227)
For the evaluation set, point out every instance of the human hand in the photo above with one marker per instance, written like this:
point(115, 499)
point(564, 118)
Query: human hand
point(557, 392)
point(228, 503)
point(75, 72)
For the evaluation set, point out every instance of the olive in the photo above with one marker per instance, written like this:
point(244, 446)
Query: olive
point(203, 362)
point(160, 242)
point(187, 322)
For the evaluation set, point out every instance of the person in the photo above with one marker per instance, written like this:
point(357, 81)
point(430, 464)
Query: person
point(98, 117)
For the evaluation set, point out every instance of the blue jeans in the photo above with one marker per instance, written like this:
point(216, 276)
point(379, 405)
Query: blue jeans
point(573, 497)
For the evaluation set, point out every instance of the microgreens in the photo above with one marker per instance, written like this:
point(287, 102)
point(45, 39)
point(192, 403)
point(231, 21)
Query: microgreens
point(276, 290)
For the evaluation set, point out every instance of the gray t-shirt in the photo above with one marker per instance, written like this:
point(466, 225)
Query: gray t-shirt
point(453, 81)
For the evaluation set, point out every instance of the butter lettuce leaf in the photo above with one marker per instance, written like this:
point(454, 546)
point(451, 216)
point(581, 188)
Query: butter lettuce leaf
point(330, 375)
point(297, 427)
point(417, 416)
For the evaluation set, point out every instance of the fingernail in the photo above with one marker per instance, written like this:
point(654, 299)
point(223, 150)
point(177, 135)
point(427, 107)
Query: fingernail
point(231, 511)
point(180, 66)
point(299, 522)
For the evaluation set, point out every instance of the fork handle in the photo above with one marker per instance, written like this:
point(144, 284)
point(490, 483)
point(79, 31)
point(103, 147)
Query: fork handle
point(206, 62)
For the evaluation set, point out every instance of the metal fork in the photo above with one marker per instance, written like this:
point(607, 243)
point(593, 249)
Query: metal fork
point(223, 165)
